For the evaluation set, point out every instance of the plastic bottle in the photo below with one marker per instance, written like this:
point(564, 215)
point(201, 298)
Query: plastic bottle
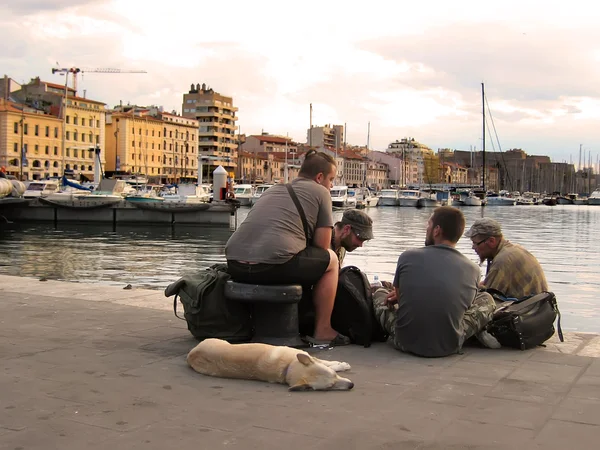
point(376, 283)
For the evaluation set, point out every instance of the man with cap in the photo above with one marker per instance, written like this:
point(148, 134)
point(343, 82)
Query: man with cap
point(511, 269)
point(437, 305)
point(351, 232)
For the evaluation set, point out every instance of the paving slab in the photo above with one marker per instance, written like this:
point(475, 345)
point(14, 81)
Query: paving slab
point(90, 366)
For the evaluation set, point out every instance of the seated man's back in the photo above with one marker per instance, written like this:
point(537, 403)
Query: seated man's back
point(436, 285)
point(272, 232)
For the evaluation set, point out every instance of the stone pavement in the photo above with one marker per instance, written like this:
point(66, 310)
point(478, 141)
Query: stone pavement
point(86, 366)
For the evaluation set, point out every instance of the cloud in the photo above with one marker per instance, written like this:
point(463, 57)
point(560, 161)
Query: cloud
point(416, 76)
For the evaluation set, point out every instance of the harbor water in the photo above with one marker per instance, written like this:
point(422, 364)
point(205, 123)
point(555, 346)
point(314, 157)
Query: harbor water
point(565, 239)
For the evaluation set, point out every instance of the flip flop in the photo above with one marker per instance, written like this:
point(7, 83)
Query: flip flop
point(338, 341)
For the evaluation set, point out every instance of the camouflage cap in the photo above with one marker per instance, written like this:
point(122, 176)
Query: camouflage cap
point(361, 223)
point(484, 227)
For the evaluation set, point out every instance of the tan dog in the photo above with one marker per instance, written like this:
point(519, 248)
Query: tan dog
point(284, 365)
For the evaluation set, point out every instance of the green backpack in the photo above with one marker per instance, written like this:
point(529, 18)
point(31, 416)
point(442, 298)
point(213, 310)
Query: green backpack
point(206, 310)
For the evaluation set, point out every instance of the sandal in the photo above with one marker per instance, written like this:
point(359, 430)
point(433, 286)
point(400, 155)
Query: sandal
point(338, 341)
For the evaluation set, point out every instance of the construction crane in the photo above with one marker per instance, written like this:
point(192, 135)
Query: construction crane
point(76, 70)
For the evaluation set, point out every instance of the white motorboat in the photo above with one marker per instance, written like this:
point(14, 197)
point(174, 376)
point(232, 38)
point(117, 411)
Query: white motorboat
point(500, 200)
point(594, 199)
point(244, 193)
point(470, 199)
point(408, 197)
point(365, 198)
point(340, 197)
point(428, 200)
point(189, 193)
point(388, 197)
point(41, 188)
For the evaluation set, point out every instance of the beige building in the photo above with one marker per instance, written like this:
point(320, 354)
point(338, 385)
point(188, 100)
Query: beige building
point(37, 133)
point(83, 119)
point(452, 173)
point(328, 137)
point(268, 143)
point(420, 162)
point(217, 142)
point(265, 167)
point(153, 143)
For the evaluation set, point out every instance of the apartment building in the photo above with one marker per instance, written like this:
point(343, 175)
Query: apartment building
point(327, 138)
point(83, 123)
point(147, 141)
point(30, 142)
point(216, 114)
point(420, 162)
point(268, 143)
point(265, 167)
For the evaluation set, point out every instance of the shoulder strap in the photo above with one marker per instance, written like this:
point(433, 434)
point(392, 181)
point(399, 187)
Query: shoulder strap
point(300, 209)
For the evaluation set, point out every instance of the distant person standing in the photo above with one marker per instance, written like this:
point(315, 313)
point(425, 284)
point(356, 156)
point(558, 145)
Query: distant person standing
point(511, 269)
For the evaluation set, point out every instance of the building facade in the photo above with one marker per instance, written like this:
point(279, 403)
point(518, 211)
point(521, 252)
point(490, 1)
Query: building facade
point(30, 142)
point(83, 123)
point(268, 143)
point(150, 142)
point(327, 138)
point(216, 114)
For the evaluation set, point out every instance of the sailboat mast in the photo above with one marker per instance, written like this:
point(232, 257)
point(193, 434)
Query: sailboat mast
point(483, 130)
point(367, 155)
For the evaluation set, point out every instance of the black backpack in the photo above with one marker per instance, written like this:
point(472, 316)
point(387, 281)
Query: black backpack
point(526, 323)
point(353, 313)
point(206, 310)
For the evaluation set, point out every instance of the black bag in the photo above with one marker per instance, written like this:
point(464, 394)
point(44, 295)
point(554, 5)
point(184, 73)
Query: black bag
point(526, 323)
point(353, 313)
point(206, 310)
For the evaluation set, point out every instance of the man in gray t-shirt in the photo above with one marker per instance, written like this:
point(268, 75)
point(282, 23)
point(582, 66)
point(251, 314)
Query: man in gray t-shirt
point(271, 247)
point(436, 305)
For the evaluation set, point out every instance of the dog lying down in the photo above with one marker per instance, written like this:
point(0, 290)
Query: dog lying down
point(284, 365)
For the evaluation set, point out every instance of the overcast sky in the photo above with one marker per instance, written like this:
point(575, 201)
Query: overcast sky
point(411, 70)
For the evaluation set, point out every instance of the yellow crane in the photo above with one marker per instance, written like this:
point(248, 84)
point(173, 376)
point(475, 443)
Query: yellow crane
point(75, 70)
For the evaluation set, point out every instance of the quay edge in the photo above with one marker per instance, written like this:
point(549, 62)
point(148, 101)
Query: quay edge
point(218, 214)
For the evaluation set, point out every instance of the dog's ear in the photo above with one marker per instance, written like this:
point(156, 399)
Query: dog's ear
point(300, 386)
point(305, 359)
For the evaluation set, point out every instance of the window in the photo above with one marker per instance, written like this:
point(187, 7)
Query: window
point(16, 147)
point(68, 135)
point(68, 119)
point(75, 154)
point(82, 137)
point(83, 121)
point(97, 124)
point(47, 131)
point(36, 130)
point(16, 127)
point(89, 167)
point(47, 150)
point(55, 151)
point(132, 130)
point(36, 148)
point(133, 156)
point(75, 120)
point(56, 132)
point(25, 148)
point(140, 132)
point(68, 152)
point(75, 135)
point(97, 139)
point(133, 143)
point(25, 128)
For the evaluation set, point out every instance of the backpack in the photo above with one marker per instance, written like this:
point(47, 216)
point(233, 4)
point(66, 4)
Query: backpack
point(527, 322)
point(353, 312)
point(206, 310)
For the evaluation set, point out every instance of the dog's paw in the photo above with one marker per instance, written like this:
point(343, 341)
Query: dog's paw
point(340, 366)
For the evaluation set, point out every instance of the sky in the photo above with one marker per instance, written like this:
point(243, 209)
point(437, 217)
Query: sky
point(409, 70)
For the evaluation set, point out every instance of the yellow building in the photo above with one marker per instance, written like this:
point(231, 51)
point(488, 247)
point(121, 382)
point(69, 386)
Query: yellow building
point(153, 143)
point(217, 143)
point(84, 121)
point(37, 133)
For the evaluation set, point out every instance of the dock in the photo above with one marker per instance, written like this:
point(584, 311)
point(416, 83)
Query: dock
point(217, 213)
point(90, 366)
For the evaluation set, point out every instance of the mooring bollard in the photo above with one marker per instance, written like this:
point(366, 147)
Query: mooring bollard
point(233, 220)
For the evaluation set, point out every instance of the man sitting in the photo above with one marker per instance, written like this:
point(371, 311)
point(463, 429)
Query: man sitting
point(270, 246)
point(511, 269)
point(436, 305)
point(350, 233)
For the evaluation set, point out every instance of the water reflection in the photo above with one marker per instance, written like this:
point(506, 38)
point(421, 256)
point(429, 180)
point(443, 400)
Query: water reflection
point(563, 238)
